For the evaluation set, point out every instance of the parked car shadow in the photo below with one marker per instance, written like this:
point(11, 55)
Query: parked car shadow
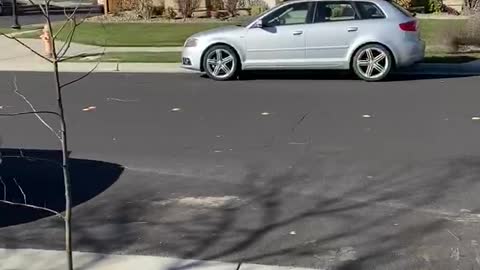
point(35, 176)
point(336, 75)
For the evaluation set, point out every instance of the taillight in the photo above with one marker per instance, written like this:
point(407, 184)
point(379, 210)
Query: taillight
point(410, 26)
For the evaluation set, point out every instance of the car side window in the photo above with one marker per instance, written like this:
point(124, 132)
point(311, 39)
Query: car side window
point(298, 13)
point(369, 10)
point(334, 11)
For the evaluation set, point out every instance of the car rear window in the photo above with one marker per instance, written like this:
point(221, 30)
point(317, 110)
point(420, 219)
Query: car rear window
point(369, 10)
point(401, 9)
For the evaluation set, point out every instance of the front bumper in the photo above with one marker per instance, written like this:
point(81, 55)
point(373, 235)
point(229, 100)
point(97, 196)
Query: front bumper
point(191, 58)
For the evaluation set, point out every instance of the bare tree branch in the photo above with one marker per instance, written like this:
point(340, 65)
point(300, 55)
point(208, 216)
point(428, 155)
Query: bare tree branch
point(4, 189)
point(68, 42)
point(25, 204)
point(40, 6)
point(66, 46)
point(85, 18)
point(27, 113)
point(21, 190)
point(58, 214)
point(26, 46)
point(63, 26)
point(29, 158)
point(81, 77)
point(33, 109)
point(69, 18)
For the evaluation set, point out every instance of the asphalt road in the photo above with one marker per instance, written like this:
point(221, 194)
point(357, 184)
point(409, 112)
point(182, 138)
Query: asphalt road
point(276, 169)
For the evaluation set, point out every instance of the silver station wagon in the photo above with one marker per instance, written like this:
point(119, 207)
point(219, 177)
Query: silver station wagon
point(369, 37)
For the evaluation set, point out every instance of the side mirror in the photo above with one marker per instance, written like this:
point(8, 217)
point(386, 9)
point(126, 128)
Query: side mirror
point(258, 24)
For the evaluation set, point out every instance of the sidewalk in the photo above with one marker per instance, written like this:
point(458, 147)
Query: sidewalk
point(35, 259)
point(15, 57)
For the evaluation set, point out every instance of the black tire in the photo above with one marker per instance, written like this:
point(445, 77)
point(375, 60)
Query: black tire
point(234, 67)
point(387, 63)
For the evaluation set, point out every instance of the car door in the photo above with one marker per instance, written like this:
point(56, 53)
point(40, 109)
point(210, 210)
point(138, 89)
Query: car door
point(280, 41)
point(334, 29)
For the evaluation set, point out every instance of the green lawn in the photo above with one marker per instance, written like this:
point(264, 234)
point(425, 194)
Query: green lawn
point(138, 57)
point(174, 34)
point(433, 31)
point(133, 34)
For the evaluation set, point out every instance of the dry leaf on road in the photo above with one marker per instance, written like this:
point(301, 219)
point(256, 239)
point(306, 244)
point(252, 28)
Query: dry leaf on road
point(91, 108)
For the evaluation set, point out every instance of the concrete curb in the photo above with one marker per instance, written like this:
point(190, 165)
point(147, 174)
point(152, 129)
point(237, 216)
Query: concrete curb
point(34, 259)
point(102, 67)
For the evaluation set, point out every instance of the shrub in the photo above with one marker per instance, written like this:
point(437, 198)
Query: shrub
point(450, 10)
point(171, 14)
point(434, 6)
point(125, 5)
point(407, 4)
point(187, 7)
point(216, 5)
point(158, 10)
point(231, 6)
point(469, 35)
point(144, 8)
point(471, 6)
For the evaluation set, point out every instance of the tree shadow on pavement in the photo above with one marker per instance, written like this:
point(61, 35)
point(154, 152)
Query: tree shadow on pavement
point(352, 227)
point(36, 176)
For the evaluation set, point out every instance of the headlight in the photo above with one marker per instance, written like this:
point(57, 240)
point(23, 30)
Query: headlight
point(191, 42)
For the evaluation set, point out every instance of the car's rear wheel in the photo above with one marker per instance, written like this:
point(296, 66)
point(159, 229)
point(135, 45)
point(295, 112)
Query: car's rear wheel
point(372, 62)
point(221, 63)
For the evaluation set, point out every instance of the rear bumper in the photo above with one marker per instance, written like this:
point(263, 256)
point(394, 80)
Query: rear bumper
point(411, 53)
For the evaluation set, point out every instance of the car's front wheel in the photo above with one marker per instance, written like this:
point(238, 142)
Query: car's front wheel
point(372, 62)
point(221, 63)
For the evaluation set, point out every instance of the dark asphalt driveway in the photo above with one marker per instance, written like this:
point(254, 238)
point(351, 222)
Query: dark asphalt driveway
point(299, 171)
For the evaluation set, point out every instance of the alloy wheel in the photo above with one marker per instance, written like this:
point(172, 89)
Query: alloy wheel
point(372, 63)
point(220, 63)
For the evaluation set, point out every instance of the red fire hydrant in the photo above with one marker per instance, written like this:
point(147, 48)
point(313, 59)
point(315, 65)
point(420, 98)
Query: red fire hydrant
point(47, 42)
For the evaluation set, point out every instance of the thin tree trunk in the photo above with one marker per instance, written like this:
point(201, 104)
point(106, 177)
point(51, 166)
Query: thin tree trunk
point(66, 172)
point(65, 154)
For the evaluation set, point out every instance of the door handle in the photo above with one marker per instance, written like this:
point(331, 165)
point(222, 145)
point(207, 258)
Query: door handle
point(297, 33)
point(352, 29)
